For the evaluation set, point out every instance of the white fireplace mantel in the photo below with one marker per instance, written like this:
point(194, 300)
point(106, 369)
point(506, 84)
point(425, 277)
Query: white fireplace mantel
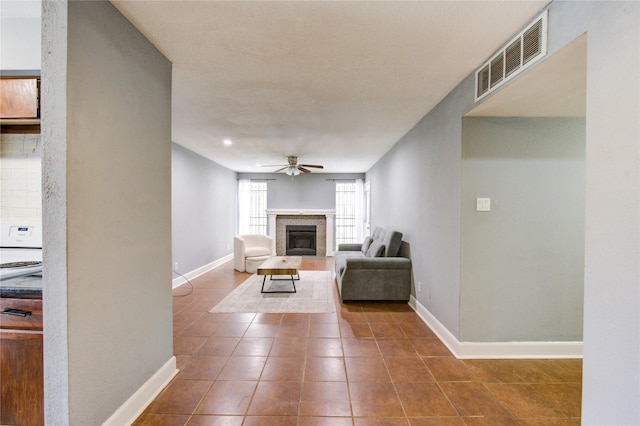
point(327, 213)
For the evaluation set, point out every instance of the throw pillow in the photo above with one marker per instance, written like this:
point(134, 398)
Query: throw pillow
point(376, 249)
point(365, 244)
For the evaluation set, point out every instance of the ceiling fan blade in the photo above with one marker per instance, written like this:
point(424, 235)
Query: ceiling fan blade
point(312, 165)
point(279, 170)
point(303, 170)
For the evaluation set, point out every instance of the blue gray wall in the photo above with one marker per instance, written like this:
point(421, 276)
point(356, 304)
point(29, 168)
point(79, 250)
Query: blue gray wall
point(523, 260)
point(203, 207)
point(425, 204)
point(308, 191)
point(106, 135)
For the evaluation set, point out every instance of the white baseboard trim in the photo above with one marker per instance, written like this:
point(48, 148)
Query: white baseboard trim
point(177, 282)
point(140, 400)
point(495, 350)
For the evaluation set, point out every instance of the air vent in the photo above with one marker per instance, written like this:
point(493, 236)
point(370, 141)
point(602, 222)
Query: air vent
point(518, 54)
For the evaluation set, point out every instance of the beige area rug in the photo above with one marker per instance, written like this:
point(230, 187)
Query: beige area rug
point(314, 295)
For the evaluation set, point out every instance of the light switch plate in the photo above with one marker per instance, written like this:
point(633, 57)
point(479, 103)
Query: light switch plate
point(483, 204)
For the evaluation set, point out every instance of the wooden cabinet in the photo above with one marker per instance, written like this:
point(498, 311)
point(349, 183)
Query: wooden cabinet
point(21, 364)
point(20, 104)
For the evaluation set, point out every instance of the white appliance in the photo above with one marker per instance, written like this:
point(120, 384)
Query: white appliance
point(20, 250)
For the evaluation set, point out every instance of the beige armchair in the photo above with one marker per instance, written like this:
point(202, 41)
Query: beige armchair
point(250, 251)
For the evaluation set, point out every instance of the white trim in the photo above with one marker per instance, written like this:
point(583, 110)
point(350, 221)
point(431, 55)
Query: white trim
point(128, 412)
point(177, 282)
point(495, 350)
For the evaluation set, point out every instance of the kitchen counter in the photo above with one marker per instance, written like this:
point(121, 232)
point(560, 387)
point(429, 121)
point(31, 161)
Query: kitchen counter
point(25, 287)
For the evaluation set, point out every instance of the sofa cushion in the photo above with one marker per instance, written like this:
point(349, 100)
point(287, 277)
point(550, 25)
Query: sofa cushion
point(392, 241)
point(256, 251)
point(365, 244)
point(341, 259)
point(376, 249)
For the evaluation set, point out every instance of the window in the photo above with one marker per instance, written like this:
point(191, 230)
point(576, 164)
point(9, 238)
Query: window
point(252, 205)
point(345, 213)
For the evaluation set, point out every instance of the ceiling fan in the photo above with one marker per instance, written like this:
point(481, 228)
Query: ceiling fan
point(293, 168)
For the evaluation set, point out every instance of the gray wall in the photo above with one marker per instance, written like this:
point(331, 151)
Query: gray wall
point(107, 211)
point(523, 260)
point(426, 207)
point(415, 189)
point(204, 209)
point(305, 191)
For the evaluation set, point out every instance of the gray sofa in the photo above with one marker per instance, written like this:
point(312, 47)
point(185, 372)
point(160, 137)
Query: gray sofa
point(373, 270)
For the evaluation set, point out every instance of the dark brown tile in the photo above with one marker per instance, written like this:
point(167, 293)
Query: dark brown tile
point(366, 369)
point(379, 317)
point(371, 421)
point(324, 330)
point(187, 345)
point(437, 421)
point(218, 346)
point(473, 399)
point(408, 369)
point(270, 421)
point(491, 421)
point(284, 369)
point(203, 420)
point(289, 347)
point(227, 398)
point(199, 329)
point(375, 400)
point(324, 347)
point(424, 399)
point(448, 369)
point(268, 318)
point(253, 346)
point(180, 397)
point(243, 368)
point(258, 329)
point(396, 347)
point(230, 329)
point(523, 401)
point(417, 329)
point(202, 368)
point(325, 421)
point(325, 369)
point(161, 420)
point(356, 331)
point(325, 399)
point(276, 399)
point(386, 331)
point(360, 347)
point(566, 397)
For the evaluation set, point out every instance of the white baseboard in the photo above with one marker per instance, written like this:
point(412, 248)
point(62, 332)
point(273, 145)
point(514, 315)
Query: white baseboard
point(138, 402)
point(177, 282)
point(493, 350)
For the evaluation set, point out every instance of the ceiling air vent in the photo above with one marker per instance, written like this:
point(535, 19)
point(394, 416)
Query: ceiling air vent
point(518, 54)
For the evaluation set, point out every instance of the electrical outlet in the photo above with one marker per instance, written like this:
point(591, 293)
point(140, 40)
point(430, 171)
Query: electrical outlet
point(419, 287)
point(175, 266)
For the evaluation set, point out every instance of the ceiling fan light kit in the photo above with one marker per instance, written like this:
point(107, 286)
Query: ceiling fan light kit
point(293, 168)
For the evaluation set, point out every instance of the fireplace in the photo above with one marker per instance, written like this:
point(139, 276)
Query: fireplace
point(322, 220)
point(301, 240)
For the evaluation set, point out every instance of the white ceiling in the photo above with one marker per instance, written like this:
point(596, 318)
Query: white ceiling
point(336, 83)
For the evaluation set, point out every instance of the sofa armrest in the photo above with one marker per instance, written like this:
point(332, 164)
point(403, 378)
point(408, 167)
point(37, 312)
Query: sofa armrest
point(349, 247)
point(378, 263)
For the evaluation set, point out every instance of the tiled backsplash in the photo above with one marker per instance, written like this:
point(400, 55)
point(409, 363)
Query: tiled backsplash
point(21, 165)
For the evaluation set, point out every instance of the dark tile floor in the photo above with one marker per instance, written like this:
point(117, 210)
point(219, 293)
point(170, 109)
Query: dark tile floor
point(366, 364)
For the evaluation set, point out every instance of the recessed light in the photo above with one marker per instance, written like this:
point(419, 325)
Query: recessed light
point(228, 142)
